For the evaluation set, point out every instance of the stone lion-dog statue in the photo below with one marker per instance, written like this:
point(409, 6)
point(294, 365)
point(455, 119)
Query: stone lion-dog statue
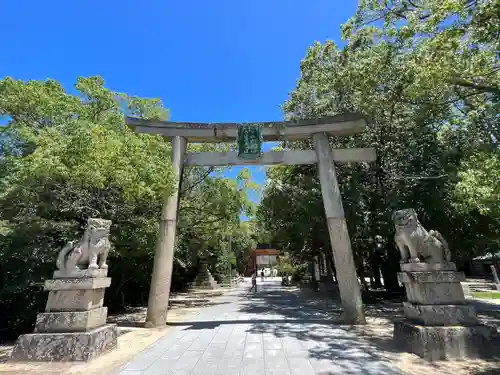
point(417, 244)
point(91, 251)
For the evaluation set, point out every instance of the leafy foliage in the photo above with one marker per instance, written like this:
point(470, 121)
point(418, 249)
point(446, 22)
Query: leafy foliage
point(66, 157)
point(287, 266)
point(479, 186)
point(426, 75)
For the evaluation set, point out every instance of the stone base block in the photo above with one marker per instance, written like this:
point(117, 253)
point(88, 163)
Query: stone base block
point(71, 321)
point(441, 315)
point(440, 343)
point(68, 347)
point(85, 273)
point(74, 300)
point(434, 277)
point(441, 293)
point(88, 283)
point(422, 266)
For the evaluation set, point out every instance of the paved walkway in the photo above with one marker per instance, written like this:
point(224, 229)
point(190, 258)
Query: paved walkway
point(268, 332)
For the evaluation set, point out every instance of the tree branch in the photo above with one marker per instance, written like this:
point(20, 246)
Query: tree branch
point(477, 87)
point(419, 177)
point(199, 181)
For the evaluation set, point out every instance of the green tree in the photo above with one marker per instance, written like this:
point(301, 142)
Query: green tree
point(450, 51)
point(66, 157)
point(426, 78)
point(479, 185)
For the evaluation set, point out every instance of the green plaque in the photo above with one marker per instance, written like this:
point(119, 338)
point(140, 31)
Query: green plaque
point(250, 141)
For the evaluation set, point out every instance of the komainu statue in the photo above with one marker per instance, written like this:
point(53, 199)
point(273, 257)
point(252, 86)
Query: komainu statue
point(415, 243)
point(90, 252)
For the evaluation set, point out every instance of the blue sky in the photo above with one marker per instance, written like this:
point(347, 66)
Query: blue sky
point(209, 61)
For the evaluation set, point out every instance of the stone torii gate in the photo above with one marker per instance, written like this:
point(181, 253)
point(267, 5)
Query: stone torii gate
point(319, 129)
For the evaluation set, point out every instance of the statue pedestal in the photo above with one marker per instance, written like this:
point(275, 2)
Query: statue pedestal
point(204, 280)
point(439, 323)
point(73, 326)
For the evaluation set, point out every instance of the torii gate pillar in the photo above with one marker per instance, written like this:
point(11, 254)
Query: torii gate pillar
point(350, 292)
point(159, 292)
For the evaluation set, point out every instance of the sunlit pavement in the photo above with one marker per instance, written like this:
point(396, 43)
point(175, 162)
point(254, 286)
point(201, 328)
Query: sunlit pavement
point(271, 331)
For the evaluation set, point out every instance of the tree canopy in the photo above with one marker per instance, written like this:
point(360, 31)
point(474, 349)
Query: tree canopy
point(426, 76)
point(67, 156)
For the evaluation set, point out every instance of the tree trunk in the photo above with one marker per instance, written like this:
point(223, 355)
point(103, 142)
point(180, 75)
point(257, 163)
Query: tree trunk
point(329, 268)
point(390, 270)
point(375, 266)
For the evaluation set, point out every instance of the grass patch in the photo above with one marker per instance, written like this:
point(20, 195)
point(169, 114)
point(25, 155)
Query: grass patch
point(486, 295)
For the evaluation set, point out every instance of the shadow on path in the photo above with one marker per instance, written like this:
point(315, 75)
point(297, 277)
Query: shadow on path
point(295, 304)
point(135, 317)
point(308, 317)
point(217, 323)
point(279, 330)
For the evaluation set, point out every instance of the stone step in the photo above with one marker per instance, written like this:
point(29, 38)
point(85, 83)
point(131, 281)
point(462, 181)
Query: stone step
point(199, 285)
point(204, 287)
point(479, 287)
point(212, 281)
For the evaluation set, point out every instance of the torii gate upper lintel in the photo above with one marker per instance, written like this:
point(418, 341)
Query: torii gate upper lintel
point(323, 155)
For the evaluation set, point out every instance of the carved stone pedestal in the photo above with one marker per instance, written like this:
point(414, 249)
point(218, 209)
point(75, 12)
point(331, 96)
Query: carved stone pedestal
point(73, 326)
point(204, 279)
point(439, 323)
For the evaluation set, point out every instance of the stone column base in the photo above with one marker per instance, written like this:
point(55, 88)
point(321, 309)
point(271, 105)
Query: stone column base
point(75, 346)
point(440, 343)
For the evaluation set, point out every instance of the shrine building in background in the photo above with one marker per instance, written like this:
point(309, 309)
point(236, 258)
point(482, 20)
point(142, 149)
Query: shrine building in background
point(262, 257)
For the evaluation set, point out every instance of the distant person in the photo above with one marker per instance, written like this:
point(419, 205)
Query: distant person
point(254, 281)
point(262, 274)
point(267, 272)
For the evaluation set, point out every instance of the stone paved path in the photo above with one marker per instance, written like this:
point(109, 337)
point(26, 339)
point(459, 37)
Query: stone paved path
point(269, 332)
